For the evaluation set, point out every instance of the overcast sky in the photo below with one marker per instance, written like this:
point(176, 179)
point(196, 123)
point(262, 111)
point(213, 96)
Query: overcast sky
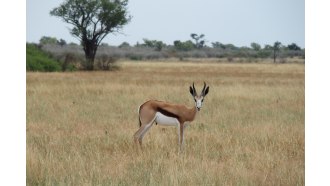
point(238, 22)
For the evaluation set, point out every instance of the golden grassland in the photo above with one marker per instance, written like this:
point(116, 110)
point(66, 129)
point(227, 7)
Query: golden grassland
point(250, 131)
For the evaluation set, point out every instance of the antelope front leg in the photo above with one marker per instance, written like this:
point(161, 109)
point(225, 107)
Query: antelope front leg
point(181, 137)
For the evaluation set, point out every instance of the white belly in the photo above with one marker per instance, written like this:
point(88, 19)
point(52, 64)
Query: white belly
point(161, 119)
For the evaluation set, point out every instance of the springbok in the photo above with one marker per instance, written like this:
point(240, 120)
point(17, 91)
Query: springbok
point(168, 114)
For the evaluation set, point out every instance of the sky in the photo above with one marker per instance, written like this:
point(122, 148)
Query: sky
point(239, 22)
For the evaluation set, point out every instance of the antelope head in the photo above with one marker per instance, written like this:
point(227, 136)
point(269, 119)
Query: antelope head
point(199, 98)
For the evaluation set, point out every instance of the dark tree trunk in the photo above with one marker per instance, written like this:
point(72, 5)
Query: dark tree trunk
point(90, 48)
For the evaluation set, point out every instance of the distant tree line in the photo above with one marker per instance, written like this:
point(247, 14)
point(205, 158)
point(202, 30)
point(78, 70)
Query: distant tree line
point(71, 56)
point(198, 44)
point(178, 45)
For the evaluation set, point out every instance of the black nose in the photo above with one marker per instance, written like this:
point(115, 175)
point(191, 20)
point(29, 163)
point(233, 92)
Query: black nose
point(198, 108)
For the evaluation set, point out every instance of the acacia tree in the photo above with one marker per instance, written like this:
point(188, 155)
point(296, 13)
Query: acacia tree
point(276, 49)
point(47, 40)
point(92, 20)
point(293, 46)
point(199, 44)
point(255, 46)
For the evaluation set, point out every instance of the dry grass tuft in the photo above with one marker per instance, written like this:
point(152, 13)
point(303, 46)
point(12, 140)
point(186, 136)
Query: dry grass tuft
point(250, 131)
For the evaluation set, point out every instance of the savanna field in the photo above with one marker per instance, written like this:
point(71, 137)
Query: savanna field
point(250, 131)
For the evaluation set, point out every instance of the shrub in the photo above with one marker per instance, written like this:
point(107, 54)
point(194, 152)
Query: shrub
point(68, 63)
point(105, 62)
point(38, 60)
point(184, 46)
point(135, 58)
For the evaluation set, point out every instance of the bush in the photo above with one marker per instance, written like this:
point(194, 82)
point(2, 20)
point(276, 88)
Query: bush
point(38, 60)
point(68, 63)
point(135, 58)
point(184, 46)
point(105, 62)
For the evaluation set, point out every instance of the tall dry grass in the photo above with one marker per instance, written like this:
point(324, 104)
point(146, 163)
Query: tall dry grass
point(250, 130)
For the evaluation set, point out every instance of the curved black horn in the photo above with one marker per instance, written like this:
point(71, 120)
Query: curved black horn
point(205, 90)
point(193, 85)
point(194, 88)
point(204, 87)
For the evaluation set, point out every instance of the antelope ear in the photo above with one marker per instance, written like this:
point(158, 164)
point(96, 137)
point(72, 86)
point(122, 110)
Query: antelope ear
point(206, 90)
point(191, 91)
